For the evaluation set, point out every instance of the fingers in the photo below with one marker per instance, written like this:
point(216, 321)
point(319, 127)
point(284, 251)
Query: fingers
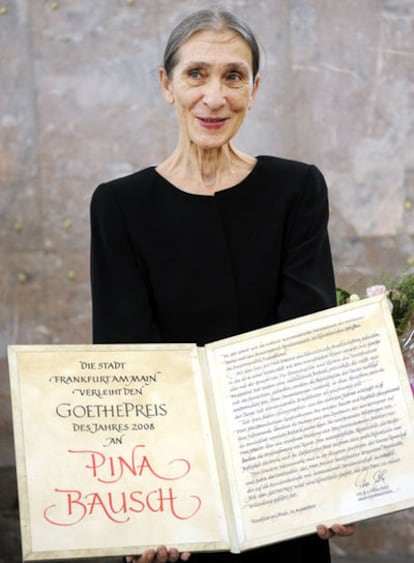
point(147, 557)
point(159, 555)
point(343, 530)
point(336, 530)
point(324, 532)
point(173, 555)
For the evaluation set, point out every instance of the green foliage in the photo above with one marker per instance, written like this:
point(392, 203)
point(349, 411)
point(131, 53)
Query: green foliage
point(401, 295)
point(400, 292)
point(342, 296)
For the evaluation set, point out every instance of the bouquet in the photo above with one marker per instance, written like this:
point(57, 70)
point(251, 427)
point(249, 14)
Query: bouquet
point(400, 295)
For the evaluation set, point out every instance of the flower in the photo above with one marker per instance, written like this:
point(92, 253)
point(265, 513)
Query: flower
point(400, 297)
point(374, 290)
point(400, 294)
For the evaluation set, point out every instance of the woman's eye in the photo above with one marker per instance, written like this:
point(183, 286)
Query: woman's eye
point(195, 74)
point(233, 77)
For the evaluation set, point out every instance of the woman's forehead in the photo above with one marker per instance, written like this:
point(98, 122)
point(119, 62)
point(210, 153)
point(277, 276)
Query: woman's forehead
point(211, 46)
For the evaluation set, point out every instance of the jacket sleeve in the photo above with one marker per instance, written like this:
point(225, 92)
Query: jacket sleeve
point(307, 278)
point(121, 300)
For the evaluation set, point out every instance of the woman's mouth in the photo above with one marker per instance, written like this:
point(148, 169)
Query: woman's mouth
point(212, 122)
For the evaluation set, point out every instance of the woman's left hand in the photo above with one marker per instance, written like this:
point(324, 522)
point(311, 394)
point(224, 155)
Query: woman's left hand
point(159, 555)
point(336, 530)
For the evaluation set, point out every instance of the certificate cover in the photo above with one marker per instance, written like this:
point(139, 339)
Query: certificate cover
point(248, 441)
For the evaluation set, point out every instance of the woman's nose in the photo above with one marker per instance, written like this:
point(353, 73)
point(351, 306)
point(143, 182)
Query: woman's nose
point(214, 95)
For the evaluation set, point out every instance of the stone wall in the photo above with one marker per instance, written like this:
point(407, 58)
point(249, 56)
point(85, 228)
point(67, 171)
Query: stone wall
point(79, 104)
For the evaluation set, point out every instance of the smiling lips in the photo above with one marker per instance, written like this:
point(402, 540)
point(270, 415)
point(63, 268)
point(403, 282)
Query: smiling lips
point(212, 122)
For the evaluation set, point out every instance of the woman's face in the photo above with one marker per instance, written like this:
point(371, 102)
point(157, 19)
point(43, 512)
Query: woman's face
point(211, 86)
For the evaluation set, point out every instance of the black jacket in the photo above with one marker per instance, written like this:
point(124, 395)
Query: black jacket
point(176, 267)
point(168, 266)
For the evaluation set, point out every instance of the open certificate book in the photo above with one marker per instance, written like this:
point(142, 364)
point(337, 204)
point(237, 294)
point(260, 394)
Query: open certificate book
point(248, 441)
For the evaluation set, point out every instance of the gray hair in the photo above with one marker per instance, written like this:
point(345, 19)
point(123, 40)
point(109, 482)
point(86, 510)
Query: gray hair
point(217, 20)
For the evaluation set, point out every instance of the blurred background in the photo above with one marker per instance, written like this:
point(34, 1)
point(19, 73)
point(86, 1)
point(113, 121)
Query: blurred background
point(80, 104)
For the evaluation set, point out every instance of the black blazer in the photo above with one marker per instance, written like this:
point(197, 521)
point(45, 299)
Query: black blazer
point(168, 266)
point(176, 267)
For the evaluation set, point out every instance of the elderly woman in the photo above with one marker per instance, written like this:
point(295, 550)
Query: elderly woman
point(212, 242)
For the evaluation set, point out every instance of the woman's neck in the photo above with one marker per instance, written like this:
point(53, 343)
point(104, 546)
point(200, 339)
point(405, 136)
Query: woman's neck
point(204, 171)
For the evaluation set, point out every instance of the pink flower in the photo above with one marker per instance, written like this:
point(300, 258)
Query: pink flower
point(374, 290)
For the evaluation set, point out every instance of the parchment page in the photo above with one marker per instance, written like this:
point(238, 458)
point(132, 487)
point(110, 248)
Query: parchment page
point(316, 416)
point(113, 451)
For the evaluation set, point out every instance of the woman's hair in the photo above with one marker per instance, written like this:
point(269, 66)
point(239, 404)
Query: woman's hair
point(217, 20)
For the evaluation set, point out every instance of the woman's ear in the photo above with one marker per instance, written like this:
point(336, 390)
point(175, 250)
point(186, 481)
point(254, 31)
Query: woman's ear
point(166, 88)
point(254, 90)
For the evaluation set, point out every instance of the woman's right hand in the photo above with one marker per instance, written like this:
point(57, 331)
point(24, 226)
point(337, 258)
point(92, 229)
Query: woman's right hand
point(159, 555)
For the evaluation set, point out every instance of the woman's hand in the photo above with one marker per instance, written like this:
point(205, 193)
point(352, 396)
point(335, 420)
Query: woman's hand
point(159, 555)
point(336, 530)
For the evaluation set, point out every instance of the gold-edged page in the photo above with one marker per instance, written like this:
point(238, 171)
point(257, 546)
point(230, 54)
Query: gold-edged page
point(318, 421)
point(113, 451)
